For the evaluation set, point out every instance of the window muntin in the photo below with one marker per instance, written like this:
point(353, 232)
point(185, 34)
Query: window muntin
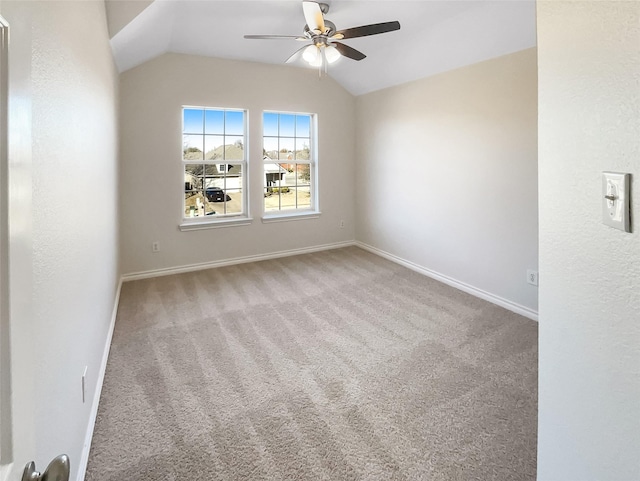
point(214, 163)
point(288, 162)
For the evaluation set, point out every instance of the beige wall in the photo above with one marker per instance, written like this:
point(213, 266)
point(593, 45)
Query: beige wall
point(121, 12)
point(589, 375)
point(152, 181)
point(63, 221)
point(447, 175)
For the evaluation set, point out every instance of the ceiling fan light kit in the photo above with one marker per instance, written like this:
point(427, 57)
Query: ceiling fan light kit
point(325, 48)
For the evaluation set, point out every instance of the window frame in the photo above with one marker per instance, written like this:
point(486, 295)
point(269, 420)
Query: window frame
point(225, 219)
point(296, 213)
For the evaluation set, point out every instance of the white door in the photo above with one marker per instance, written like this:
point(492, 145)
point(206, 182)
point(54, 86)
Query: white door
point(5, 358)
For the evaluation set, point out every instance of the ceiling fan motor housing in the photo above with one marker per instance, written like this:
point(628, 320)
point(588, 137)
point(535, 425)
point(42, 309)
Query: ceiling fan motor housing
point(329, 31)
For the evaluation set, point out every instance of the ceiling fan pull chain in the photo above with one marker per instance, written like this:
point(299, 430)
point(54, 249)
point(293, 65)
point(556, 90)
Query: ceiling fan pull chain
point(324, 60)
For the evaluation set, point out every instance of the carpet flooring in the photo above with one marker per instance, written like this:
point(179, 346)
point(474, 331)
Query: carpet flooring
point(337, 365)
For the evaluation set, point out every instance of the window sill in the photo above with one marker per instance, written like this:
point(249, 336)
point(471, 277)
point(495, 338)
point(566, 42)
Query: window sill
point(214, 224)
point(267, 218)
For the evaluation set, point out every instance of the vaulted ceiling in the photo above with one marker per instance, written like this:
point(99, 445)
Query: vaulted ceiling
point(435, 35)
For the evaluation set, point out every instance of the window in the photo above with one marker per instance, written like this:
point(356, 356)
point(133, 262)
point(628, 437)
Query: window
point(288, 161)
point(214, 164)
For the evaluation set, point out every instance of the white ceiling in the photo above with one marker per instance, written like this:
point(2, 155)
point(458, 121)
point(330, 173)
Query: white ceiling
point(435, 35)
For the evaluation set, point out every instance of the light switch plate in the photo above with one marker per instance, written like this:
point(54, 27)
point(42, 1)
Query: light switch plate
point(615, 200)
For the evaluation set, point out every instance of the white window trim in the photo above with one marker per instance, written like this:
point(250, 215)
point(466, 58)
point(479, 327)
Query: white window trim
point(289, 216)
point(222, 220)
point(297, 214)
point(214, 223)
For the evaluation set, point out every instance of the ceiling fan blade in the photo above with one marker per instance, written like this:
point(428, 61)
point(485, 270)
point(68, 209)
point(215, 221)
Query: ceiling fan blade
point(296, 55)
point(347, 51)
point(274, 37)
point(313, 16)
point(365, 30)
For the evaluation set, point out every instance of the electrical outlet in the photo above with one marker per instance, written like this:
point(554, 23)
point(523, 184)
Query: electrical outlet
point(155, 246)
point(341, 224)
point(532, 277)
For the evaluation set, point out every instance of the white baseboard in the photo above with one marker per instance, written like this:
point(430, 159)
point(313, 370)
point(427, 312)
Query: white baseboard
point(236, 260)
point(469, 289)
point(82, 466)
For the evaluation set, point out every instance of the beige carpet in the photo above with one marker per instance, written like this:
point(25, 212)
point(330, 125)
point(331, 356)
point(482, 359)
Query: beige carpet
point(337, 365)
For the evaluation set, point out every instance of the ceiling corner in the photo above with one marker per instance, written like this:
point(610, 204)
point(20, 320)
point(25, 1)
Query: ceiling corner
point(121, 12)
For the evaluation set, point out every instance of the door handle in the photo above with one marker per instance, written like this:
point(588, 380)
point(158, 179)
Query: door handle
point(58, 470)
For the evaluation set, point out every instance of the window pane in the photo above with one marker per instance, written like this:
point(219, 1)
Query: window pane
point(302, 149)
point(304, 197)
point(194, 204)
point(211, 170)
point(234, 148)
point(234, 201)
point(287, 148)
point(212, 177)
point(289, 178)
point(287, 197)
point(234, 122)
point(303, 174)
point(216, 195)
point(287, 125)
point(214, 147)
point(214, 122)
point(270, 146)
point(274, 174)
point(189, 190)
point(223, 188)
point(303, 126)
point(233, 178)
point(192, 147)
point(192, 121)
point(279, 197)
point(193, 176)
point(271, 199)
point(211, 209)
point(270, 124)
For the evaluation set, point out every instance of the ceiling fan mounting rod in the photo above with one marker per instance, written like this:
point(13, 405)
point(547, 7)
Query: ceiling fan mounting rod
point(324, 7)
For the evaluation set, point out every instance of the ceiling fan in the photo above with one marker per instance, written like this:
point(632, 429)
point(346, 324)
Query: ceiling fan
point(325, 48)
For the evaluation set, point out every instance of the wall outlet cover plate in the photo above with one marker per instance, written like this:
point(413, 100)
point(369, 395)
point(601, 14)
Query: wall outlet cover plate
point(615, 200)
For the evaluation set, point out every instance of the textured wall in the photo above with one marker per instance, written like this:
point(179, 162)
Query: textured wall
point(447, 174)
point(151, 186)
point(64, 236)
point(589, 376)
